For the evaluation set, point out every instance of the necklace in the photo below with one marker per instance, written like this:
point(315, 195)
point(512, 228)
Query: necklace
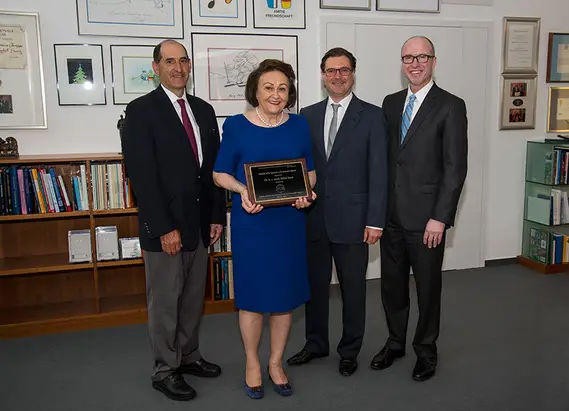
point(278, 123)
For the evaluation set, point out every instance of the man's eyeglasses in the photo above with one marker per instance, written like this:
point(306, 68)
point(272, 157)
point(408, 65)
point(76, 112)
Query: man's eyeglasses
point(344, 71)
point(421, 58)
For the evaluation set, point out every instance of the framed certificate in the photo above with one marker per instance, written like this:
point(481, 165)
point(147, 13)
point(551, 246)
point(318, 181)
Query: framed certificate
point(272, 183)
point(346, 4)
point(521, 44)
point(558, 58)
point(558, 110)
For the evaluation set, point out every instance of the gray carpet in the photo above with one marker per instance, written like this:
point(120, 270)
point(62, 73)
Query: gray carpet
point(504, 346)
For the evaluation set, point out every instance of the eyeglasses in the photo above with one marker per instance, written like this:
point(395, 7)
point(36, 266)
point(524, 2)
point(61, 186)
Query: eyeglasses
point(344, 71)
point(421, 58)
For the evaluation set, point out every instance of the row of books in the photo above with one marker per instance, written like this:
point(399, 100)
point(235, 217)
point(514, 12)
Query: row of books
point(552, 209)
point(111, 188)
point(223, 278)
point(548, 249)
point(224, 243)
point(36, 190)
point(557, 166)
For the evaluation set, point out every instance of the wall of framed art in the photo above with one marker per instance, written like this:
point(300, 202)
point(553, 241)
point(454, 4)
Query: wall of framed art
point(74, 129)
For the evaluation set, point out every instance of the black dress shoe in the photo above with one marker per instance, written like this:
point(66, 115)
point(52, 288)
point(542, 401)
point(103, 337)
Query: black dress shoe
point(424, 369)
point(175, 388)
point(303, 357)
point(201, 368)
point(385, 358)
point(348, 367)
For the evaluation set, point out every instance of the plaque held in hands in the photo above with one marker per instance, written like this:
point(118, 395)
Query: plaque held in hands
point(275, 183)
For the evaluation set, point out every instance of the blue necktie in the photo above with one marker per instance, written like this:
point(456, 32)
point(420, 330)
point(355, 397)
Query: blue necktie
point(406, 120)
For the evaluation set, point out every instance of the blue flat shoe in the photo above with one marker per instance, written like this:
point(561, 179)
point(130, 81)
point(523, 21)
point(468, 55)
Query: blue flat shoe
point(284, 390)
point(255, 393)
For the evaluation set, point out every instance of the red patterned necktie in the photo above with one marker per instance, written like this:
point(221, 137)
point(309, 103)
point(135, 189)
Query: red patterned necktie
point(189, 129)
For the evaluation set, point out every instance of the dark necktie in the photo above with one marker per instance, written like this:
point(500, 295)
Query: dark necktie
point(189, 129)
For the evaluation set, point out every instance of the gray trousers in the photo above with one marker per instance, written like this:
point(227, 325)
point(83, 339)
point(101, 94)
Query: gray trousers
point(175, 289)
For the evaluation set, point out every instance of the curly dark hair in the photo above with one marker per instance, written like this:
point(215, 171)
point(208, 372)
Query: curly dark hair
point(265, 67)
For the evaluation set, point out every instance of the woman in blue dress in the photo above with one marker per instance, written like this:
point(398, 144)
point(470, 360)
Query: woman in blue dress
point(268, 244)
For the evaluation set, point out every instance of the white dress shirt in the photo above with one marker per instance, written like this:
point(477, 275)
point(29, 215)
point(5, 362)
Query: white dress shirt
point(420, 95)
point(174, 99)
point(344, 103)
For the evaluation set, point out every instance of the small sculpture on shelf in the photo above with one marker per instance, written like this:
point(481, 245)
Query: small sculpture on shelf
point(120, 124)
point(9, 147)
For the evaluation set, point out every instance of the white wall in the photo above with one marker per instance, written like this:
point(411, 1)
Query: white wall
point(92, 129)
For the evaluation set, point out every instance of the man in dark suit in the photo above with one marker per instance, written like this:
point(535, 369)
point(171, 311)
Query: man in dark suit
point(427, 169)
point(170, 142)
point(349, 145)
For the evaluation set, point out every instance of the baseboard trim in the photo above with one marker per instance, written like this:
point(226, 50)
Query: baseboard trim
point(499, 262)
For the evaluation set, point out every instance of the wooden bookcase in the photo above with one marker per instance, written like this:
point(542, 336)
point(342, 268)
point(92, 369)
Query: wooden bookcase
point(41, 292)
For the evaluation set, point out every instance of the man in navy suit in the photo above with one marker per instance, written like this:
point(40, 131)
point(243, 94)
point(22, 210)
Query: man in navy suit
point(427, 168)
point(170, 141)
point(349, 145)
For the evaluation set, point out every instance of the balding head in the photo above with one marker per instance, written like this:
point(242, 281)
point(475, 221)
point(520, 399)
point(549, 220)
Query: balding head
point(420, 38)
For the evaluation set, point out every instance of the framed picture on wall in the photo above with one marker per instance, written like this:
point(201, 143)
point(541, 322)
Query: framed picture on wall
point(80, 75)
point(346, 4)
point(521, 45)
point(221, 13)
point(558, 58)
point(422, 6)
point(518, 102)
point(279, 14)
point(131, 18)
point(222, 63)
point(133, 75)
point(22, 93)
point(558, 110)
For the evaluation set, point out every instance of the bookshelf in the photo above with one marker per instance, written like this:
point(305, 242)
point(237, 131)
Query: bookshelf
point(41, 292)
point(545, 236)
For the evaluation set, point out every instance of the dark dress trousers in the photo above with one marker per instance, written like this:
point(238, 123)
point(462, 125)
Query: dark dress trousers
point(426, 176)
point(352, 194)
point(173, 192)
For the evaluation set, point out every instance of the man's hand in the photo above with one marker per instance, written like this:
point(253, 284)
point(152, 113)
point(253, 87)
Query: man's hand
point(433, 233)
point(214, 233)
point(247, 204)
point(371, 235)
point(171, 243)
point(304, 202)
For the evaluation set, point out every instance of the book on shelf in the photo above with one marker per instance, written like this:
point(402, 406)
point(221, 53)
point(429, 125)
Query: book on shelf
point(111, 189)
point(223, 278)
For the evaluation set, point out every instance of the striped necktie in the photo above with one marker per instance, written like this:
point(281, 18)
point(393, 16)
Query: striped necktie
point(406, 120)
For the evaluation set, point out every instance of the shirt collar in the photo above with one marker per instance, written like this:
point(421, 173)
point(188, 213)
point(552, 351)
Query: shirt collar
point(344, 102)
point(173, 98)
point(421, 94)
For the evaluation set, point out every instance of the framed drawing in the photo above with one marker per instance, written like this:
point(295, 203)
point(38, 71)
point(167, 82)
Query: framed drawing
point(518, 101)
point(221, 13)
point(131, 18)
point(79, 73)
point(279, 14)
point(421, 6)
point(133, 75)
point(22, 92)
point(558, 58)
point(521, 44)
point(222, 63)
point(558, 110)
point(346, 4)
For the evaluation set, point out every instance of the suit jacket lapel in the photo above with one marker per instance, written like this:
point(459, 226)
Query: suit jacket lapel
point(321, 115)
point(349, 122)
point(429, 103)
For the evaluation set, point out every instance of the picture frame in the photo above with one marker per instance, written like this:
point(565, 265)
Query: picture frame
point(80, 75)
point(132, 72)
point(22, 88)
point(346, 4)
point(520, 52)
point(558, 58)
point(222, 63)
point(518, 101)
point(133, 18)
point(558, 110)
point(279, 14)
point(470, 2)
point(418, 6)
point(218, 13)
